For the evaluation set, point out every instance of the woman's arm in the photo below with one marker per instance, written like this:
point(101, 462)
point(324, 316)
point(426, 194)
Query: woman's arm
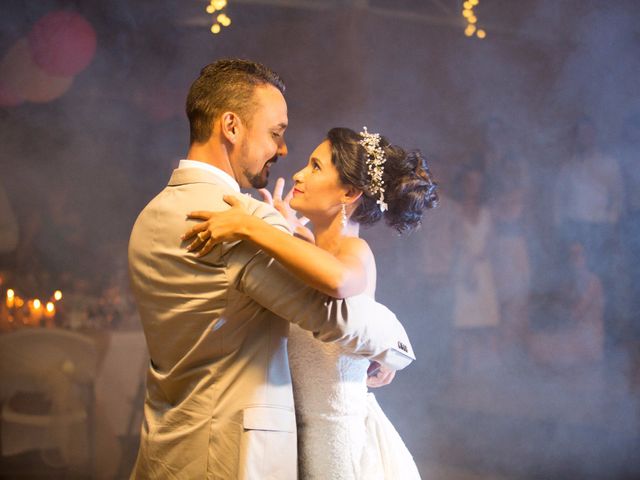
point(339, 276)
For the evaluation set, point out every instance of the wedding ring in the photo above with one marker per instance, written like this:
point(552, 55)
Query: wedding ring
point(202, 236)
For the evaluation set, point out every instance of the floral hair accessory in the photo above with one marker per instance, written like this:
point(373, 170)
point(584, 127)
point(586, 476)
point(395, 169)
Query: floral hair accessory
point(375, 163)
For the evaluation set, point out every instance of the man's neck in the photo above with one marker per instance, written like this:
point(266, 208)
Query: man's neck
point(213, 154)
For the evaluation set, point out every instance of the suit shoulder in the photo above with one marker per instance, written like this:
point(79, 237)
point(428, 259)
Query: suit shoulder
point(266, 212)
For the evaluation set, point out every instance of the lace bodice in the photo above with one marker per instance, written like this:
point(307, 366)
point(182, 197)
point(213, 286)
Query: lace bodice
point(330, 391)
point(342, 432)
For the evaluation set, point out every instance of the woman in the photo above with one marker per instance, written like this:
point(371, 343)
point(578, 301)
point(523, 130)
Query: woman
point(476, 315)
point(350, 179)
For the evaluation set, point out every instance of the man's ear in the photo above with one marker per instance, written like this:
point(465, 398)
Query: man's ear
point(231, 126)
point(351, 195)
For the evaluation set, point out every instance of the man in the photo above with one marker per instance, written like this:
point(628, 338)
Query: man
point(219, 403)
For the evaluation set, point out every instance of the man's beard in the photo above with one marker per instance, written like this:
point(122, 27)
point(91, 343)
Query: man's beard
point(261, 179)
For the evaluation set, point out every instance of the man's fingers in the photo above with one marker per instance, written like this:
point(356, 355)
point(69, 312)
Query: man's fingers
point(382, 377)
point(278, 189)
point(266, 196)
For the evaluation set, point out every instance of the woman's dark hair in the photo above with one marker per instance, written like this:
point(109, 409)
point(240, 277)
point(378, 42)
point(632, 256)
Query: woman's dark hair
point(409, 188)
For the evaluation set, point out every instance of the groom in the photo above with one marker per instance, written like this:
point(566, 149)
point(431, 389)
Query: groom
point(219, 403)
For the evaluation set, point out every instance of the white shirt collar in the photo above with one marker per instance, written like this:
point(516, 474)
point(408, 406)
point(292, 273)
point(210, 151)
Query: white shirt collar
point(228, 179)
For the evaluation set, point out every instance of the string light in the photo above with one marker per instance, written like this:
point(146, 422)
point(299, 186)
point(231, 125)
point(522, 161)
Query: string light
point(471, 19)
point(221, 19)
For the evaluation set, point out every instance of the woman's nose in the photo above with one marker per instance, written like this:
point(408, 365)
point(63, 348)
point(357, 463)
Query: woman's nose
point(297, 177)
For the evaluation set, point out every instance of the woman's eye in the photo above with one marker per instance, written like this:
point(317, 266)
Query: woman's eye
point(315, 166)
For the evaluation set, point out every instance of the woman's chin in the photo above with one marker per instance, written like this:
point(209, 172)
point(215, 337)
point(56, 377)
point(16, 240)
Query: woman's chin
point(295, 204)
point(298, 207)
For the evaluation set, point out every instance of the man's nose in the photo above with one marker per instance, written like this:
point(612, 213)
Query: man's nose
point(282, 149)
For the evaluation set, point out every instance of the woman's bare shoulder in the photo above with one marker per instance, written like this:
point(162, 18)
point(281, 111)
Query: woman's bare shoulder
point(356, 247)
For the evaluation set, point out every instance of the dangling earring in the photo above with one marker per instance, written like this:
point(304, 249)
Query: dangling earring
point(343, 213)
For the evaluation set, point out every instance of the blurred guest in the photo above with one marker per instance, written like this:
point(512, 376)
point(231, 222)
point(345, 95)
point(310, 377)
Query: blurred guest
point(629, 154)
point(588, 205)
point(508, 186)
point(432, 267)
point(577, 341)
point(476, 315)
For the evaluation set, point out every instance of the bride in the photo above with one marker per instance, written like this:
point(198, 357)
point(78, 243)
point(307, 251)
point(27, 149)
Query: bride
point(351, 179)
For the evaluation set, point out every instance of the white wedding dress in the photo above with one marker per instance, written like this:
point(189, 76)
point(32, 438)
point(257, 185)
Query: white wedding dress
point(342, 432)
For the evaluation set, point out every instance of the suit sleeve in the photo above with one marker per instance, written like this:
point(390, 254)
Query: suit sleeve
point(359, 324)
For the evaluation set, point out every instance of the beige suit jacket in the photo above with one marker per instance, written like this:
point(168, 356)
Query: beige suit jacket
point(219, 403)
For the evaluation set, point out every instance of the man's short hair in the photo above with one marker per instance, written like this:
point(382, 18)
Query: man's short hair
point(226, 85)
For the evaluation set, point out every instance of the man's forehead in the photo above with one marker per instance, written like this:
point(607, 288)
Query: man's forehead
point(268, 94)
point(272, 106)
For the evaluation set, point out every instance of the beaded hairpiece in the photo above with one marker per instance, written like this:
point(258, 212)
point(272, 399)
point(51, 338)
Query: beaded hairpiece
point(375, 164)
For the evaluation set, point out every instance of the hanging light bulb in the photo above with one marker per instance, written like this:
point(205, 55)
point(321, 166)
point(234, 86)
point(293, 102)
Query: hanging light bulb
point(221, 20)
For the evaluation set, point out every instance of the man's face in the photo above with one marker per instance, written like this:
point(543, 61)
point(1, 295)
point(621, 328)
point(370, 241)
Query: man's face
point(263, 138)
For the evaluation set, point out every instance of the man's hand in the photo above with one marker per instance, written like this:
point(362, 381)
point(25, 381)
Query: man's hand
point(379, 376)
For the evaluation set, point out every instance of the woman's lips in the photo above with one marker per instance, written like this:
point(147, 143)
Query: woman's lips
point(297, 192)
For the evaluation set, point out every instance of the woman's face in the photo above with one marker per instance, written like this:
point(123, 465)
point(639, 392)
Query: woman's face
point(317, 189)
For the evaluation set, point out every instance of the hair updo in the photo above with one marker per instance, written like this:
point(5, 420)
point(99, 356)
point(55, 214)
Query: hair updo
point(408, 185)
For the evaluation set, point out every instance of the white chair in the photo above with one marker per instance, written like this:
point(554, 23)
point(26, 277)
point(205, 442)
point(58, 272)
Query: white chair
point(61, 367)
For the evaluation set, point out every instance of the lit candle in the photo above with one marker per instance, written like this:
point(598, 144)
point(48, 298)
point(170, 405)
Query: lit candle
point(10, 298)
point(36, 311)
point(49, 314)
point(57, 295)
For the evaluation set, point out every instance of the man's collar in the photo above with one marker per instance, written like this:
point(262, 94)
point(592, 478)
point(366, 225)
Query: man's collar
point(228, 179)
